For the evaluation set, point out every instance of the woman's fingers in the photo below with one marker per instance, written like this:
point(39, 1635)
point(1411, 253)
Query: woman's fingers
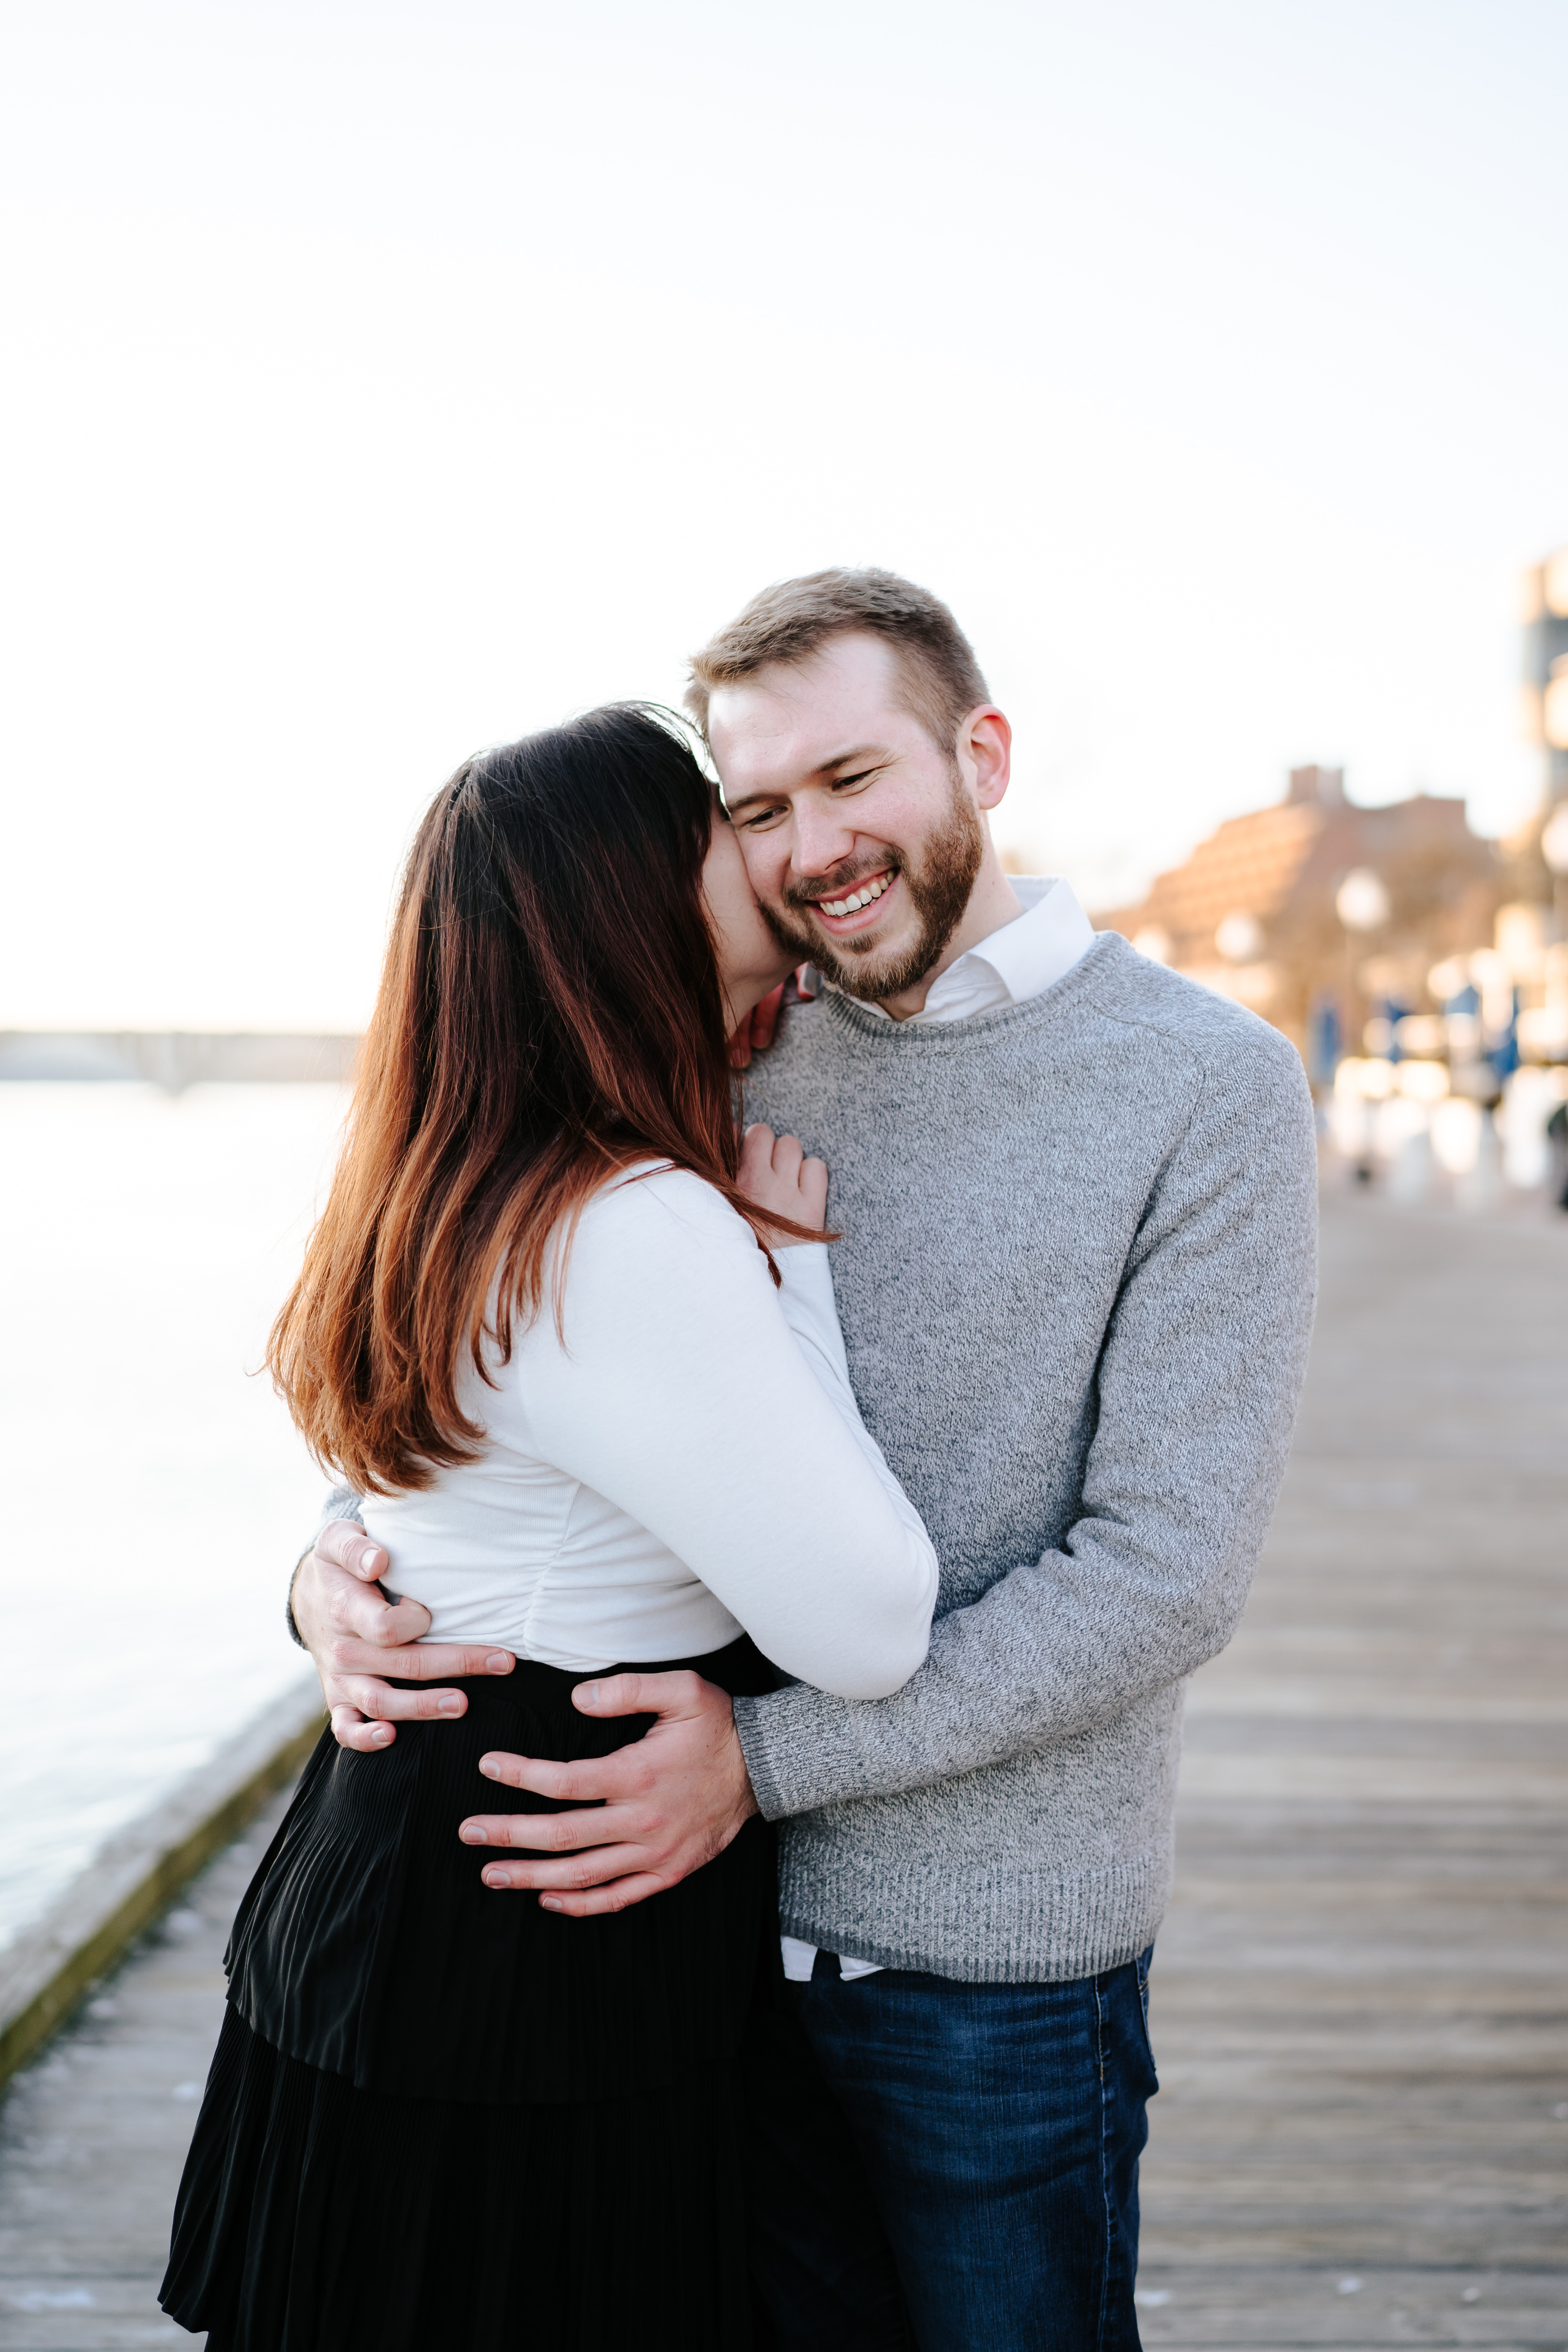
point(777, 1175)
point(756, 1159)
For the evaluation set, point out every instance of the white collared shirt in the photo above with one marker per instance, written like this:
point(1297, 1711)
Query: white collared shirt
point(1022, 960)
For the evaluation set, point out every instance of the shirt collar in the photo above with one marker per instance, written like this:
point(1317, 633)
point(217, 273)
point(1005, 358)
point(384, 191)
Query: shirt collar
point(1021, 959)
point(1033, 951)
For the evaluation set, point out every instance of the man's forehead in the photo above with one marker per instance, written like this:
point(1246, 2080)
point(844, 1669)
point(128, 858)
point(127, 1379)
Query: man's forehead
point(809, 715)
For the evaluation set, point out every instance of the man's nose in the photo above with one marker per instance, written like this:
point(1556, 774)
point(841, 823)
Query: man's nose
point(822, 841)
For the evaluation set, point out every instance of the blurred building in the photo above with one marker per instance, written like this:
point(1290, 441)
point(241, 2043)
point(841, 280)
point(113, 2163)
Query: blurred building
point(1422, 972)
point(1323, 916)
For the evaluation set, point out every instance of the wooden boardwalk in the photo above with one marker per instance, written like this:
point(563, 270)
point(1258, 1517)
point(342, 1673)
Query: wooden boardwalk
point(1361, 2009)
point(1361, 1996)
point(93, 2134)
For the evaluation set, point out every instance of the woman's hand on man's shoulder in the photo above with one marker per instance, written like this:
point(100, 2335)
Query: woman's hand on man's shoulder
point(778, 1179)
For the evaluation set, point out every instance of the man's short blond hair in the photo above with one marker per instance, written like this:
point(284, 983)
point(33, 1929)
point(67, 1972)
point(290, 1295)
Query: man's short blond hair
point(941, 681)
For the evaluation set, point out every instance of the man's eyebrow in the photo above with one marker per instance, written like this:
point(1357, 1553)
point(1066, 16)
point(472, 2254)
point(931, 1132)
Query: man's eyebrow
point(871, 752)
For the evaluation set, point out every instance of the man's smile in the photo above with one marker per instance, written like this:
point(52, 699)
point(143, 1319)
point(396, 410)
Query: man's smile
point(859, 907)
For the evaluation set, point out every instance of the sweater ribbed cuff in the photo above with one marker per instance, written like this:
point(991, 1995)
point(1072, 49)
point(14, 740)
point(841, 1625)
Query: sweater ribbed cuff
point(795, 1762)
point(753, 1741)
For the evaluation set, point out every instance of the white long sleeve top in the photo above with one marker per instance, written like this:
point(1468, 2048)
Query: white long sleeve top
point(690, 1463)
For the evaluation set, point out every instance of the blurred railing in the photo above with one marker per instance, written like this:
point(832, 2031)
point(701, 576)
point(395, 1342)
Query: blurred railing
point(176, 1058)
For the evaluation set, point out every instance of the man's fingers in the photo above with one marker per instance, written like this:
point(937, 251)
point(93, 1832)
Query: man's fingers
point(350, 1729)
point(672, 1694)
point(597, 1825)
point(346, 1545)
point(360, 1609)
point(587, 1781)
point(619, 1896)
point(384, 1705)
point(437, 1662)
point(570, 1875)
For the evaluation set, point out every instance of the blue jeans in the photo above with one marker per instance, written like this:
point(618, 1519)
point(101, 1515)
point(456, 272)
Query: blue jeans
point(943, 2167)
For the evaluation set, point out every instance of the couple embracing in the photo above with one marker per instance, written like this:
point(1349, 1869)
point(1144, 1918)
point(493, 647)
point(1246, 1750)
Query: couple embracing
point(768, 1555)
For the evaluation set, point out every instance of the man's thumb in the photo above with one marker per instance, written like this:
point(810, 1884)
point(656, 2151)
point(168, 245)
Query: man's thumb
point(346, 1545)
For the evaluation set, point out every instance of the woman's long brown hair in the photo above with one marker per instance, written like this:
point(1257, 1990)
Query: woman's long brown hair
point(550, 1013)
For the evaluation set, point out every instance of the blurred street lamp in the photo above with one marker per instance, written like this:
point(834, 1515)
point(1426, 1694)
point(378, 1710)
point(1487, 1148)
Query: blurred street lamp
point(1555, 839)
point(1239, 938)
point(1555, 705)
point(1361, 902)
point(1554, 849)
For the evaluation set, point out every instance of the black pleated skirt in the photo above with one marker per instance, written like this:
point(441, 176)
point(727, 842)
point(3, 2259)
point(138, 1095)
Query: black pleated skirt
point(439, 2116)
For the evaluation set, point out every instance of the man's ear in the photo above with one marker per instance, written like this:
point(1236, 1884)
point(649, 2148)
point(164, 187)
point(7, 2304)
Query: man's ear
point(984, 749)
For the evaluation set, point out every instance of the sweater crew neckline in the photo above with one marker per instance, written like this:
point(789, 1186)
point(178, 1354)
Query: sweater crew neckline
point(953, 1036)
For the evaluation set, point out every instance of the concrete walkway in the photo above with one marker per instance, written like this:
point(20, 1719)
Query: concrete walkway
point(1360, 2008)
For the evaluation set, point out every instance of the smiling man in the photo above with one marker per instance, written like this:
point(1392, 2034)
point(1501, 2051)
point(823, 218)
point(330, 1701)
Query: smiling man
point(859, 773)
point(1077, 1197)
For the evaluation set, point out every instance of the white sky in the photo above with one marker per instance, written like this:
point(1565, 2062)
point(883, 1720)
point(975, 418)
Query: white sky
point(383, 381)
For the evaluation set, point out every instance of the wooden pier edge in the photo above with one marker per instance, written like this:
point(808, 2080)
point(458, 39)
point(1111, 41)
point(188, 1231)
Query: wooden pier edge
point(139, 1870)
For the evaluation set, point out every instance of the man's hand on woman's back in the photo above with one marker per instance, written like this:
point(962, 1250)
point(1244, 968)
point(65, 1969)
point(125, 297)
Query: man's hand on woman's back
point(666, 1805)
point(357, 1637)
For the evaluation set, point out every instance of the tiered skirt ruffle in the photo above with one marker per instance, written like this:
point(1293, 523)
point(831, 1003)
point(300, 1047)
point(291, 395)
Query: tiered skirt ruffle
point(439, 2116)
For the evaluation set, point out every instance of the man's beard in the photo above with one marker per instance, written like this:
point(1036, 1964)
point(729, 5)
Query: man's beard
point(939, 892)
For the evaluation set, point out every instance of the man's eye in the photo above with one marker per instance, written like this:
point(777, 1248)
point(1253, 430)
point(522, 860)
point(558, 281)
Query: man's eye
point(844, 783)
point(762, 817)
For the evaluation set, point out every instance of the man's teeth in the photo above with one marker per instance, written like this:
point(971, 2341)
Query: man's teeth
point(861, 898)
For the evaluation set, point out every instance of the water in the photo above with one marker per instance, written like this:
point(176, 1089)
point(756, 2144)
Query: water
point(155, 1492)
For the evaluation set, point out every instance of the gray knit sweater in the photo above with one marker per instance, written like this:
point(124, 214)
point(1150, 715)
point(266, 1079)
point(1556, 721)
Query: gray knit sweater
point(1076, 1282)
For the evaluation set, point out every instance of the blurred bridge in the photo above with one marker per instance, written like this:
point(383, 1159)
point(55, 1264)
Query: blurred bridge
point(178, 1058)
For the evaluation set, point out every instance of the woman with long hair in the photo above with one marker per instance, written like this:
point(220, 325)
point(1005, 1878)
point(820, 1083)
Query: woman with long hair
point(594, 1392)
